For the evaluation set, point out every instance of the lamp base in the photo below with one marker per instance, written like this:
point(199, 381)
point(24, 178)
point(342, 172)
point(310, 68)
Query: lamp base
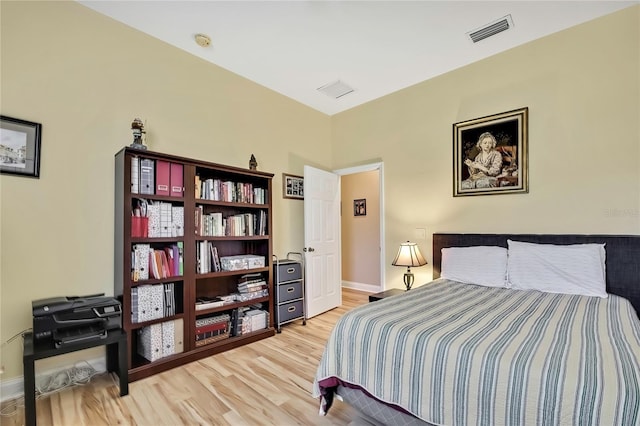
point(408, 280)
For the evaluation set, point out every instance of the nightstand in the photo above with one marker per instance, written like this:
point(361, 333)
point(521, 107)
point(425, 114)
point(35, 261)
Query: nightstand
point(386, 293)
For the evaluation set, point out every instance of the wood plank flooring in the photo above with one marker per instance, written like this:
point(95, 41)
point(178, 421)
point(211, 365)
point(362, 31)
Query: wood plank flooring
point(264, 383)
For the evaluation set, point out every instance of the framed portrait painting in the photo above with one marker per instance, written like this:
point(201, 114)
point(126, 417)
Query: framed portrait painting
point(292, 186)
point(490, 154)
point(19, 147)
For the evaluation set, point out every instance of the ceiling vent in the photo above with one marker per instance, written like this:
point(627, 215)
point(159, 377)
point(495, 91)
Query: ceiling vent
point(491, 29)
point(336, 90)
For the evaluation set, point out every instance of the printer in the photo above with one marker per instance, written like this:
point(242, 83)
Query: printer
point(67, 320)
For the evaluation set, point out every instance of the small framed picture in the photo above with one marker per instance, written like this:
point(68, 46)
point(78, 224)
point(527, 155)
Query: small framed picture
point(292, 186)
point(360, 207)
point(20, 147)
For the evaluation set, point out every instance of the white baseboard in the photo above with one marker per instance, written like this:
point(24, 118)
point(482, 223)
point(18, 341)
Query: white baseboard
point(14, 388)
point(370, 288)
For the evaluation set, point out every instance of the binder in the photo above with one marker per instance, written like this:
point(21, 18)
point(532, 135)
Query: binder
point(165, 219)
point(177, 260)
point(134, 304)
point(163, 172)
point(146, 176)
point(177, 221)
point(171, 261)
point(154, 269)
point(150, 342)
point(135, 175)
point(176, 180)
point(141, 262)
point(168, 338)
point(166, 271)
point(157, 301)
point(144, 311)
point(169, 300)
point(180, 258)
point(153, 212)
point(178, 336)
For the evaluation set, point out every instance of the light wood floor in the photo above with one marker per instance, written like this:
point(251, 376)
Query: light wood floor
point(264, 383)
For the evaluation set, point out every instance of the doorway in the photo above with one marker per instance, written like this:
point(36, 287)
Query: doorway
point(362, 227)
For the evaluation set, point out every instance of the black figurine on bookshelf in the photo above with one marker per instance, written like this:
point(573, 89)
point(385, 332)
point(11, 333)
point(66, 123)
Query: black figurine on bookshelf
point(253, 163)
point(137, 127)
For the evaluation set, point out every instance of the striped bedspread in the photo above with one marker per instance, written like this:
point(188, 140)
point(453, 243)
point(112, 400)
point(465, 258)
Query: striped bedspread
point(458, 354)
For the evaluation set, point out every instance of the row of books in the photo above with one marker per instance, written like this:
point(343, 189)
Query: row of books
point(229, 191)
point(161, 340)
point(248, 319)
point(157, 263)
point(207, 257)
point(238, 225)
point(156, 177)
point(212, 329)
point(156, 219)
point(252, 286)
point(149, 302)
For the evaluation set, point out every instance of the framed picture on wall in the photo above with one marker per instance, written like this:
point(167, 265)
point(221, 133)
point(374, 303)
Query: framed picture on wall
point(292, 186)
point(19, 147)
point(490, 154)
point(360, 207)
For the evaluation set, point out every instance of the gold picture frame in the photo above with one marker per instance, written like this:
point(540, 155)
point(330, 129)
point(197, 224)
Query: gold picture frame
point(490, 154)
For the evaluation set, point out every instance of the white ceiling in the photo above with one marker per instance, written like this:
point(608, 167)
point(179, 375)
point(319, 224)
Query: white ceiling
point(376, 47)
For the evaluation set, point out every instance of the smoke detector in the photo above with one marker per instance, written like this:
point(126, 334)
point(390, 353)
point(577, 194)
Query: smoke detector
point(203, 40)
point(336, 90)
point(491, 29)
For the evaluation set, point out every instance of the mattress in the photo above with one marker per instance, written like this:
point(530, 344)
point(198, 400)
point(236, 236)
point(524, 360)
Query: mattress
point(457, 354)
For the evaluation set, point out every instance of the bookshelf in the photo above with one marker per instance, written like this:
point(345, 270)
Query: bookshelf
point(188, 230)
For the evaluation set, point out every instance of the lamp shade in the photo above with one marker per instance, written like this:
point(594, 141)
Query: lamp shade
point(409, 255)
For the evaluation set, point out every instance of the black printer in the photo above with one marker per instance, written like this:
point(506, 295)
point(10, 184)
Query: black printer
point(66, 320)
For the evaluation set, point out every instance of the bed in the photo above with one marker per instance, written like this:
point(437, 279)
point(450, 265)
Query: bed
point(459, 353)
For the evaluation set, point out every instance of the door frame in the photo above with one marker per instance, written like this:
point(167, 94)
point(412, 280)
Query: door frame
point(368, 168)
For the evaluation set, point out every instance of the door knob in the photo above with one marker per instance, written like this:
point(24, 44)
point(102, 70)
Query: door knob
point(309, 249)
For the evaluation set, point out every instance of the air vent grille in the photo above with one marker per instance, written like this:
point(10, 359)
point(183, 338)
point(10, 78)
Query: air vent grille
point(491, 29)
point(336, 90)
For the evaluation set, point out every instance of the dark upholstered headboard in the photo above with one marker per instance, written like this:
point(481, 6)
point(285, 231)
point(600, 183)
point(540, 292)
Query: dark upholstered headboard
point(622, 263)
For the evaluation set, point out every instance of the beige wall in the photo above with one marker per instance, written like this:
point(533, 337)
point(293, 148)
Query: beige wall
point(85, 77)
point(361, 234)
point(582, 90)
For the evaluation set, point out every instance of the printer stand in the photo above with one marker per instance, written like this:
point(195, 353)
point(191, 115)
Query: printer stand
point(116, 342)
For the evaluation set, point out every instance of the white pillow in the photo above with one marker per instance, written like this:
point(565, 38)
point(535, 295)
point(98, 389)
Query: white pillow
point(482, 265)
point(569, 269)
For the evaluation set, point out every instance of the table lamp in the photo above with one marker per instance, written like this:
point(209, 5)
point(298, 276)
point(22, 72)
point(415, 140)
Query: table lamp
point(409, 255)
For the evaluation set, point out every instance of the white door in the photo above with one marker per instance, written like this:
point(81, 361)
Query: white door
point(323, 281)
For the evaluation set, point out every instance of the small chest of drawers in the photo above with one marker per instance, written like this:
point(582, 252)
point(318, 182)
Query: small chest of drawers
point(289, 290)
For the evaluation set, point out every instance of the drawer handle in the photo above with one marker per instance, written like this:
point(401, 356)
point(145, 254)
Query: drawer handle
point(291, 309)
point(291, 270)
point(291, 289)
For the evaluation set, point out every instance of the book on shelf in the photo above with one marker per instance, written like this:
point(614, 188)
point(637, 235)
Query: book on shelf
point(252, 285)
point(163, 172)
point(213, 339)
point(135, 175)
point(212, 319)
point(212, 327)
point(146, 176)
point(176, 180)
point(250, 278)
point(208, 302)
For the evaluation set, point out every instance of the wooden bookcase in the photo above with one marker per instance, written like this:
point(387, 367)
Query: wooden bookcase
point(192, 284)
